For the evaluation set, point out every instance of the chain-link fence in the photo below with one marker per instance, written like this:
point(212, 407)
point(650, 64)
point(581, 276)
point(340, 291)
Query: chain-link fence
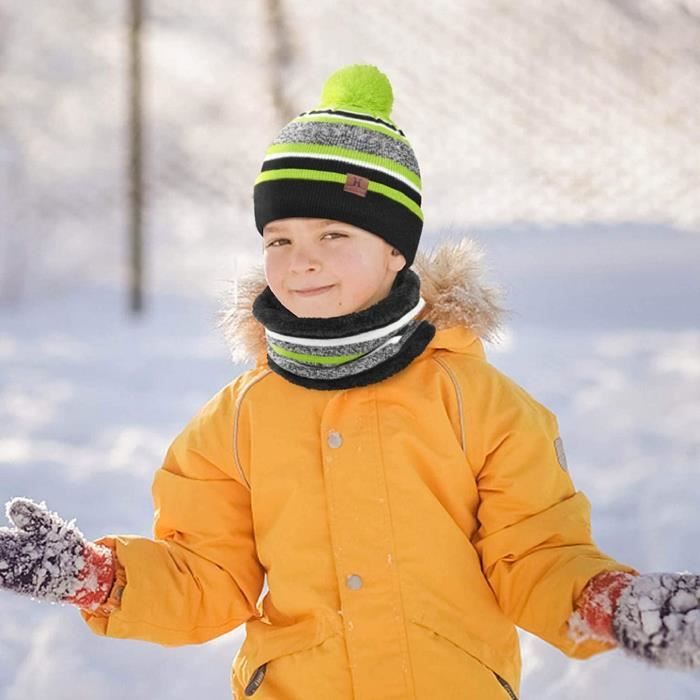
point(518, 110)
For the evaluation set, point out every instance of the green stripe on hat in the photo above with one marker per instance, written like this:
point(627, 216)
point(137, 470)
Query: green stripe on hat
point(365, 158)
point(325, 176)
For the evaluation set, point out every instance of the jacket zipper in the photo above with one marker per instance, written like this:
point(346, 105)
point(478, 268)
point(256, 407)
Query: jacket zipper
point(255, 680)
point(506, 686)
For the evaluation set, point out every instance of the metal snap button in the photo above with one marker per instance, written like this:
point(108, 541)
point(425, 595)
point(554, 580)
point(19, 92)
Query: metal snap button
point(354, 582)
point(335, 439)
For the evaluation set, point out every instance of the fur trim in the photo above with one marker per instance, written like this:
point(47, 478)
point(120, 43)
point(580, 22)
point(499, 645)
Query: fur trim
point(451, 285)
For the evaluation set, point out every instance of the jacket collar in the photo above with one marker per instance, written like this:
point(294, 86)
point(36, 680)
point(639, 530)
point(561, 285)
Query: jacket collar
point(463, 309)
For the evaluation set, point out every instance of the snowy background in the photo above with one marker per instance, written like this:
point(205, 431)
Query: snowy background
point(605, 331)
point(562, 136)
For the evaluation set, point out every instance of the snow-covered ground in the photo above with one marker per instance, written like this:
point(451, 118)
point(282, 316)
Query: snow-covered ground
point(605, 331)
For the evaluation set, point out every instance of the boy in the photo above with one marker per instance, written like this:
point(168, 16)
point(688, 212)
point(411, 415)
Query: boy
point(408, 503)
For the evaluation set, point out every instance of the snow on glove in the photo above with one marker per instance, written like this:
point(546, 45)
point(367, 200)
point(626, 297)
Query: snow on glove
point(49, 559)
point(655, 617)
point(658, 618)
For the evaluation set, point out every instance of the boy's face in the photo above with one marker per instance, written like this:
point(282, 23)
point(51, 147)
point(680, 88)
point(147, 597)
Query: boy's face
point(357, 267)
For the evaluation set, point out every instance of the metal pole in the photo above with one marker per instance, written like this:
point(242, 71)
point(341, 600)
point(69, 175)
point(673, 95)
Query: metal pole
point(135, 176)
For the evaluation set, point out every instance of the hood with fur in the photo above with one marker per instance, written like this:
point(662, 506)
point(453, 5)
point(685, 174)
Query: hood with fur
point(451, 284)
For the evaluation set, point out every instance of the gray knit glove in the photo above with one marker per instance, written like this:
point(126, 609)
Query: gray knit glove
point(47, 558)
point(657, 617)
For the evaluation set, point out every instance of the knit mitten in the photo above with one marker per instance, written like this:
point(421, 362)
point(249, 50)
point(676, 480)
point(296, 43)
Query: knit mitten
point(655, 617)
point(49, 559)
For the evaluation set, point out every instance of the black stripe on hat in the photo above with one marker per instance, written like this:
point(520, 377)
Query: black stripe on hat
point(386, 218)
point(339, 166)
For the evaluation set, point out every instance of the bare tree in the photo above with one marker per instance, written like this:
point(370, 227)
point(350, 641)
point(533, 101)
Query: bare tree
point(281, 56)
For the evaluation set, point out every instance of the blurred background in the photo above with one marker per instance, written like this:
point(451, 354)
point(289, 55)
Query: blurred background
point(563, 136)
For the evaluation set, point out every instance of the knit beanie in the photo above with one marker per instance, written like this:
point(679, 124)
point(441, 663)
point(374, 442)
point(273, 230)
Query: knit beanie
point(346, 160)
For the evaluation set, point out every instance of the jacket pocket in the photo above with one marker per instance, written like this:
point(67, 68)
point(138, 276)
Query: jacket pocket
point(455, 635)
point(265, 642)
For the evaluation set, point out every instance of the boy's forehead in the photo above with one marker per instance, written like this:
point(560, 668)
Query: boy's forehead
point(286, 224)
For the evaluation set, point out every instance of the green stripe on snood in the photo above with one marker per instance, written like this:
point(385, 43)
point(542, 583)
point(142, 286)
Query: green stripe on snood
point(315, 359)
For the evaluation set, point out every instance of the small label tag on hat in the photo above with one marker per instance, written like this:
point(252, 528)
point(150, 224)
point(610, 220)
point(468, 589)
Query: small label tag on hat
point(356, 184)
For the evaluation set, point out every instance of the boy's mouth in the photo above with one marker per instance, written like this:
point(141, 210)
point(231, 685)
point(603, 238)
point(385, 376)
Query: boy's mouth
point(312, 291)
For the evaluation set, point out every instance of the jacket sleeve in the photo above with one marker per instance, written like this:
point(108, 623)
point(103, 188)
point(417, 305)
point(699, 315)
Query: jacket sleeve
point(200, 576)
point(534, 535)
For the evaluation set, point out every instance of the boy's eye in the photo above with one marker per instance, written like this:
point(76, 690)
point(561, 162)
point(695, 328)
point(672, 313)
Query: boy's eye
point(282, 240)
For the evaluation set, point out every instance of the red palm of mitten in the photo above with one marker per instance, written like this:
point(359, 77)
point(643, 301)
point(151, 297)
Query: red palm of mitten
point(49, 559)
point(593, 618)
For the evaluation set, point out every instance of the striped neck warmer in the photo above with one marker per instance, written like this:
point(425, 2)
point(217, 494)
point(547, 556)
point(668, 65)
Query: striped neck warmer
point(356, 349)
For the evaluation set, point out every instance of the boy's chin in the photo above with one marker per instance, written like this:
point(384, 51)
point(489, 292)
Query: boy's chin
point(316, 313)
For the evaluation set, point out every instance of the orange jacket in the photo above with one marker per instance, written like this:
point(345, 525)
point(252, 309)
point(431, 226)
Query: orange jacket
point(405, 527)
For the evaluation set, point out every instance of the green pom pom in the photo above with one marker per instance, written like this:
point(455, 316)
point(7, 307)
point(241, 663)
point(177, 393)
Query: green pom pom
point(362, 88)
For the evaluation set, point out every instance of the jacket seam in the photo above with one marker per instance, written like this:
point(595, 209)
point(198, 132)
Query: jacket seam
point(458, 395)
point(392, 542)
point(239, 402)
point(180, 630)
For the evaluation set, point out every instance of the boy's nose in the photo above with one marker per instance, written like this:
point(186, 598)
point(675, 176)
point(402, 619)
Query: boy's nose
point(302, 260)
